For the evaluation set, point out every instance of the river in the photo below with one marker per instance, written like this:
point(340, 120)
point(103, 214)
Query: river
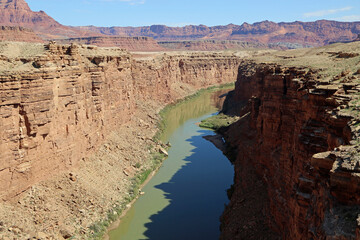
point(186, 197)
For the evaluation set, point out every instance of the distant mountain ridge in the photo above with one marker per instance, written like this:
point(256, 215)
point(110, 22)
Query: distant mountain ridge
point(305, 33)
point(302, 34)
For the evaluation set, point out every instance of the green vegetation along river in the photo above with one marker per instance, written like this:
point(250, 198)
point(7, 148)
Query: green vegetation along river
point(185, 199)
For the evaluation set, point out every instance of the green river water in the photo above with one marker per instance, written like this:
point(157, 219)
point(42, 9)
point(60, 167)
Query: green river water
point(185, 199)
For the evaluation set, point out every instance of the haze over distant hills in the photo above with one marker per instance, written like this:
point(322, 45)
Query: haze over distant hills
point(293, 34)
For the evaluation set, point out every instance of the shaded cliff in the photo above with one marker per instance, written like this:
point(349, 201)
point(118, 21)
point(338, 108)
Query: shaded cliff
point(69, 98)
point(296, 146)
point(76, 125)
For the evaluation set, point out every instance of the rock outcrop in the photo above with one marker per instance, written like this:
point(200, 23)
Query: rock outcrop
point(286, 147)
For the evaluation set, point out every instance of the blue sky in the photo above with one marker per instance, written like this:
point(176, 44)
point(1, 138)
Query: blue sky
point(179, 13)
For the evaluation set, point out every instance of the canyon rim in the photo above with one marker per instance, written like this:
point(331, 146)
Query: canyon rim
point(79, 114)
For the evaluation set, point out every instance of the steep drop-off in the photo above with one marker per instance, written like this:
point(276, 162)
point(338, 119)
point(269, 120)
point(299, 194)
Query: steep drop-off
point(289, 168)
point(60, 104)
point(18, 13)
point(71, 98)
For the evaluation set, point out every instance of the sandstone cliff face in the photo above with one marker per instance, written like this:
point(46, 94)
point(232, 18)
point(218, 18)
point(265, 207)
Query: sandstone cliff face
point(129, 43)
point(290, 117)
point(209, 45)
point(61, 108)
point(18, 34)
point(171, 76)
point(52, 116)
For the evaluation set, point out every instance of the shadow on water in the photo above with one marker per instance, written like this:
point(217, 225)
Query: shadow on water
point(195, 108)
point(186, 197)
point(194, 192)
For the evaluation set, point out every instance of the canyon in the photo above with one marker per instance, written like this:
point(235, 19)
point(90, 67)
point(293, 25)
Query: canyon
point(71, 115)
point(79, 116)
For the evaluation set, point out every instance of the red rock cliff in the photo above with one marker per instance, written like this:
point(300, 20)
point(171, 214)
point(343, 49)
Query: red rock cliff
point(18, 34)
point(129, 43)
point(56, 108)
point(290, 117)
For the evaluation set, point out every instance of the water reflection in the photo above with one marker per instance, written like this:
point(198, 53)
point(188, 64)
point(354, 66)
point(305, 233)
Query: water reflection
point(200, 105)
point(196, 194)
point(186, 197)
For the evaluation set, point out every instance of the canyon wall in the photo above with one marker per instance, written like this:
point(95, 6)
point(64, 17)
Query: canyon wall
point(130, 43)
point(287, 115)
point(18, 34)
point(56, 108)
point(209, 45)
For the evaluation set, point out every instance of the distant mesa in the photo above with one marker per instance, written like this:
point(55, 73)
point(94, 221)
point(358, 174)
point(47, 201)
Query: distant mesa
point(210, 45)
point(266, 33)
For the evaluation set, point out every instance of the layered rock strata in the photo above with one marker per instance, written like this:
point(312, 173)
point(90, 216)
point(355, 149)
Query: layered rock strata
point(58, 107)
point(286, 148)
point(276, 35)
point(209, 45)
point(18, 34)
point(144, 44)
point(290, 34)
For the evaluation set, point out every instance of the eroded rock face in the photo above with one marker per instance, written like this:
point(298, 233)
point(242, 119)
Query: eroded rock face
point(290, 116)
point(209, 45)
point(18, 34)
point(55, 114)
point(130, 43)
point(60, 108)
